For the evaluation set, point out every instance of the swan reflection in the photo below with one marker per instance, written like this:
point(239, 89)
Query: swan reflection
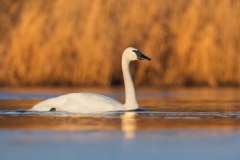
point(129, 124)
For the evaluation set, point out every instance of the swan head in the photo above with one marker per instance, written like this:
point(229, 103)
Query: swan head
point(133, 54)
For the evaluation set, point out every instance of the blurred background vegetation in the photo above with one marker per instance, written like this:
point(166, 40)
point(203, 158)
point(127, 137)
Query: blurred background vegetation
point(80, 42)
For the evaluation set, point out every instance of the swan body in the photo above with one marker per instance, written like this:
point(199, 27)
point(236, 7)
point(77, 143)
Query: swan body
point(80, 103)
point(94, 103)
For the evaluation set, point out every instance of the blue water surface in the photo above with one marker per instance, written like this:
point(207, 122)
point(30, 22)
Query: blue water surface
point(95, 144)
point(174, 125)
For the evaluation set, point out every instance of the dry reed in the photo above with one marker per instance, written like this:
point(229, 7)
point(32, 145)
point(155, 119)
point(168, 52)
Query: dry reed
point(191, 42)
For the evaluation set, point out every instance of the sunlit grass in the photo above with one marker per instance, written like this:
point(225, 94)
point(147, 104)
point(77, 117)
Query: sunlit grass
point(191, 42)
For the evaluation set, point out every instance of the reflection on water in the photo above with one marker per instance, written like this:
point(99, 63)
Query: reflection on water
point(125, 121)
point(129, 124)
point(199, 123)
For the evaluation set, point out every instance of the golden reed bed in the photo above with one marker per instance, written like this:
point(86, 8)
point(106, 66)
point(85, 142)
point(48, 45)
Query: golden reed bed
point(80, 42)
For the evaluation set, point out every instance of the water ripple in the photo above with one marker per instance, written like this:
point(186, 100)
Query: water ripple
point(150, 114)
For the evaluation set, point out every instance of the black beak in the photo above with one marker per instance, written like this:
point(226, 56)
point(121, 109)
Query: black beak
point(141, 56)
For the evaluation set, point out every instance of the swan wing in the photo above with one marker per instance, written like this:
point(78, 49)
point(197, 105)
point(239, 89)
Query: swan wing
point(80, 102)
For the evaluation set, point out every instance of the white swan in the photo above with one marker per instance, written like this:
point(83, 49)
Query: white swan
point(92, 103)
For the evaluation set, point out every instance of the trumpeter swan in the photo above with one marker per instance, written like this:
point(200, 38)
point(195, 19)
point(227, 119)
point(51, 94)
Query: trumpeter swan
point(91, 102)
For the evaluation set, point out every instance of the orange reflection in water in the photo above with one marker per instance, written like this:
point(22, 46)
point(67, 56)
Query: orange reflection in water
point(129, 124)
point(167, 109)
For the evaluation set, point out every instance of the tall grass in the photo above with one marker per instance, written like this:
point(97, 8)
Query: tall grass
point(191, 42)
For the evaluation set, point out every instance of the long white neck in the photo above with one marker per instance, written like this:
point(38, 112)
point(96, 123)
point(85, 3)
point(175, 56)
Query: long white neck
point(130, 98)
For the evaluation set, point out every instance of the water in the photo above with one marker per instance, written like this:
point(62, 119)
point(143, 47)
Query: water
point(174, 124)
